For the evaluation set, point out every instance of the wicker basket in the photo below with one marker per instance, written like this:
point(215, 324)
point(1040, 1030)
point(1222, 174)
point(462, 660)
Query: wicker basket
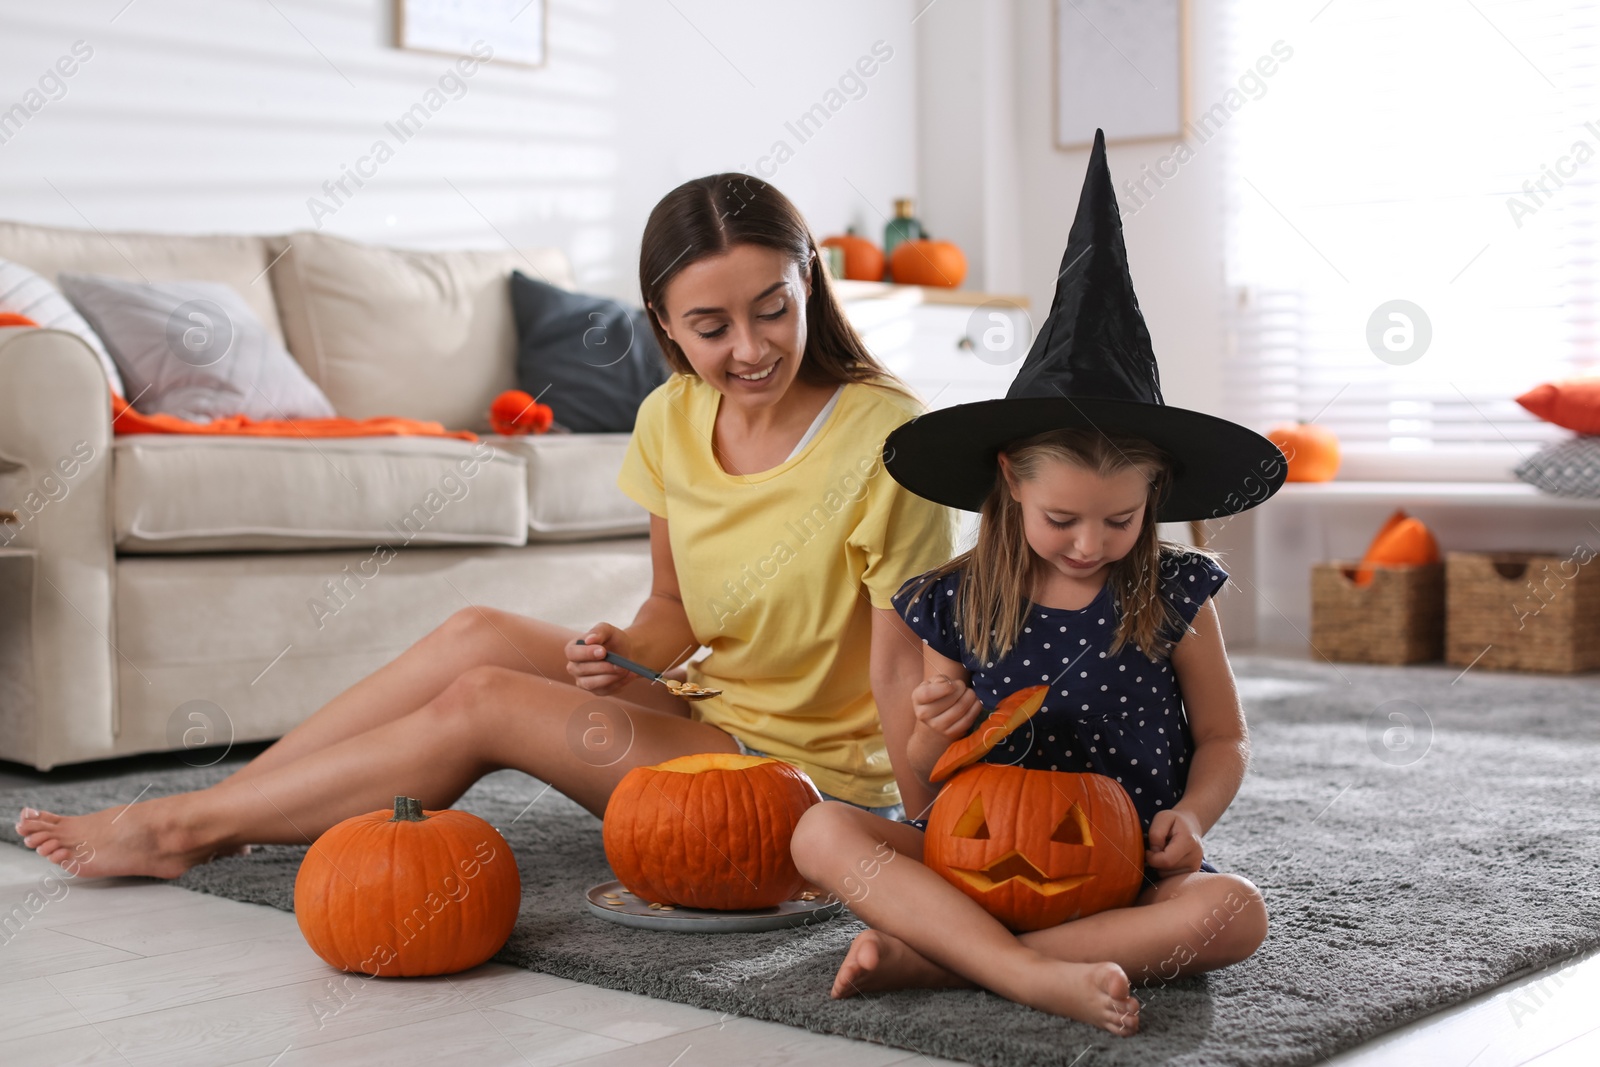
point(1523, 611)
point(1399, 618)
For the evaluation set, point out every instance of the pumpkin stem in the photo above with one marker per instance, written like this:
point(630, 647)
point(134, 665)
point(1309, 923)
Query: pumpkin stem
point(407, 809)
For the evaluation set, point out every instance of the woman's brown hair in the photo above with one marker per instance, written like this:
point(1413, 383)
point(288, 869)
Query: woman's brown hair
point(707, 217)
point(995, 595)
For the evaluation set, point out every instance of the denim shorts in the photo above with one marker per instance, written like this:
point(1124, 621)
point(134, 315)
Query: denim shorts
point(892, 812)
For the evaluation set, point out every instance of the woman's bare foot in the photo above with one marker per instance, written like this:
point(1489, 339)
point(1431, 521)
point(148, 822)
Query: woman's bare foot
point(878, 962)
point(145, 839)
point(1094, 993)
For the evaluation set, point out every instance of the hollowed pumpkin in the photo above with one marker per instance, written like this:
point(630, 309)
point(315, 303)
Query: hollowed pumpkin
point(708, 831)
point(411, 893)
point(1036, 848)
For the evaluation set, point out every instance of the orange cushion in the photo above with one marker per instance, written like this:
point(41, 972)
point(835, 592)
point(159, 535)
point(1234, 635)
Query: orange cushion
point(1401, 541)
point(1573, 404)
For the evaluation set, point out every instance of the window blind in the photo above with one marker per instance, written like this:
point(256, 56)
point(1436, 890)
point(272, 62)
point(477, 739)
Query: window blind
point(1445, 154)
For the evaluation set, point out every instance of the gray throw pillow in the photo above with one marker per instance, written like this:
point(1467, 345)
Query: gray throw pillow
point(1566, 468)
point(194, 350)
point(591, 359)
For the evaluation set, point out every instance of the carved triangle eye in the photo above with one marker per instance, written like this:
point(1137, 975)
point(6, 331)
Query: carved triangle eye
point(1074, 828)
point(971, 823)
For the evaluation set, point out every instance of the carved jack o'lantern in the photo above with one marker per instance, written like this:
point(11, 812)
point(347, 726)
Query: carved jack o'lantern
point(1035, 848)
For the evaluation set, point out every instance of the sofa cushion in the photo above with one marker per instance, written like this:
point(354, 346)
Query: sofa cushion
point(235, 260)
point(23, 292)
point(389, 331)
point(194, 349)
point(218, 494)
point(572, 486)
point(591, 359)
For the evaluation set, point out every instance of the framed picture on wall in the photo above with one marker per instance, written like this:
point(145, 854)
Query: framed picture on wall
point(1120, 66)
point(514, 31)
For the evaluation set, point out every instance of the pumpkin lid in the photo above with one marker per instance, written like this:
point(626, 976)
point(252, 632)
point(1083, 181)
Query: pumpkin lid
point(1091, 367)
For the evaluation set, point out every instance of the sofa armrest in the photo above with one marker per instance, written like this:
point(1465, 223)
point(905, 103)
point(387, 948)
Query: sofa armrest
point(55, 474)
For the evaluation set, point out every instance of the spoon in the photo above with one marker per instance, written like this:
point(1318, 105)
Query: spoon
point(685, 690)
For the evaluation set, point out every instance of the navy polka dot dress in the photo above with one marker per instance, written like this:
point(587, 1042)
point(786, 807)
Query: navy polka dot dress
point(1121, 716)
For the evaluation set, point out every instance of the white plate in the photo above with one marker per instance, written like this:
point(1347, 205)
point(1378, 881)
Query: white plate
point(633, 911)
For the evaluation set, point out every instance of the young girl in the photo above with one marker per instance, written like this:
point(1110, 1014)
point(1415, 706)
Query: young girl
point(1069, 586)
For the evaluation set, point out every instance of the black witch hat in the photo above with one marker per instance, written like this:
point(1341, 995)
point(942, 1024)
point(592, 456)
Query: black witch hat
point(1091, 367)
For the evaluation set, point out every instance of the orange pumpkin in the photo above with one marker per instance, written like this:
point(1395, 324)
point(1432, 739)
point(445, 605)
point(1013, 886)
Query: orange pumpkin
point(863, 260)
point(515, 412)
point(411, 893)
point(1402, 541)
point(1013, 711)
point(708, 831)
point(1036, 848)
point(928, 262)
point(1312, 450)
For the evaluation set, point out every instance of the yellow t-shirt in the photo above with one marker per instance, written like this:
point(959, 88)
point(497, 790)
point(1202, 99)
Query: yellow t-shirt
point(779, 572)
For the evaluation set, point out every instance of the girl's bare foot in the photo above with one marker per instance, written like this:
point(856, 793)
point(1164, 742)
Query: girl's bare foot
point(145, 839)
point(878, 962)
point(1094, 993)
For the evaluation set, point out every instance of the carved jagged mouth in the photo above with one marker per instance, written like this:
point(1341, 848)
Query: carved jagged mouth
point(1015, 865)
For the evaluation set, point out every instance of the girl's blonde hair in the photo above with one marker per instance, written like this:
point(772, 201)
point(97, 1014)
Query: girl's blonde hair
point(995, 595)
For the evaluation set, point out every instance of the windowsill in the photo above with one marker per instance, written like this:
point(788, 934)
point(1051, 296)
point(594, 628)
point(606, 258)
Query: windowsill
point(1474, 494)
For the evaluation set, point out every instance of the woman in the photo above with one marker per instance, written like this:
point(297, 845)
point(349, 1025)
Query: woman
point(775, 540)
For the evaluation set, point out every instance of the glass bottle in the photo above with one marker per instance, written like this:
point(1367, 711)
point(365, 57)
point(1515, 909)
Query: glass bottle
point(903, 227)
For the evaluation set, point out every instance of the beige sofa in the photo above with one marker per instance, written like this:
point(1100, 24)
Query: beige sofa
point(161, 592)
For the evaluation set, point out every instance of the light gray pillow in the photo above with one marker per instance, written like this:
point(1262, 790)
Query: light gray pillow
point(26, 293)
point(194, 350)
point(1566, 468)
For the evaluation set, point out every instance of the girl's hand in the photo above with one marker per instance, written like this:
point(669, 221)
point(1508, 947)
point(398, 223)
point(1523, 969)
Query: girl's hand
point(946, 706)
point(1174, 843)
point(587, 662)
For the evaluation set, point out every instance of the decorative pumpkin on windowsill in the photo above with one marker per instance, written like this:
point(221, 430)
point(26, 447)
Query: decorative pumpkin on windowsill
point(708, 831)
point(1312, 450)
point(1034, 848)
point(415, 893)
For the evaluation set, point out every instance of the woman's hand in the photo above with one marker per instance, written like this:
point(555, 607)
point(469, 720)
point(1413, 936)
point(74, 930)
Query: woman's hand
point(946, 706)
point(1174, 843)
point(587, 662)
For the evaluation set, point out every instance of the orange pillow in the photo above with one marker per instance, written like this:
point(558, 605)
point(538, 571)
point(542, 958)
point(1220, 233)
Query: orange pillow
point(1401, 541)
point(1573, 404)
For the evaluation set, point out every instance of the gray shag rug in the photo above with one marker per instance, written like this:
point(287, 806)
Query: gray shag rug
point(1420, 835)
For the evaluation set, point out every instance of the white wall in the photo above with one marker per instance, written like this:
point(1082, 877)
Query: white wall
point(194, 116)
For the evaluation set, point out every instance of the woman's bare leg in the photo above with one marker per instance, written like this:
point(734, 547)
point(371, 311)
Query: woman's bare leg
point(485, 719)
point(874, 864)
point(472, 637)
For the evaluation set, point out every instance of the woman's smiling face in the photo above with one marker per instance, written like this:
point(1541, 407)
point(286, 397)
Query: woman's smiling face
point(740, 318)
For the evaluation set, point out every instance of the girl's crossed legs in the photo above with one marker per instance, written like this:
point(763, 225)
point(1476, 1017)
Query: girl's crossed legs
point(484, 691)
point(926, 932)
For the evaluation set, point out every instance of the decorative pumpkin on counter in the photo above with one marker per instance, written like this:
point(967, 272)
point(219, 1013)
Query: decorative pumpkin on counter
point(1312, 450)
point(1036, 848)
point(928, 262)
point(516, 412)
point(708, 831)
point(415, 893)
point(863, 260)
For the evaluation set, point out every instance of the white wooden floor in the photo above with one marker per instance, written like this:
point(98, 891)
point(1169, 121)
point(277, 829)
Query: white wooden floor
point(131, 972)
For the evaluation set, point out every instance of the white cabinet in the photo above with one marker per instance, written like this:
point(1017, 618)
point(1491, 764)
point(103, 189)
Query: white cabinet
point(951, 353)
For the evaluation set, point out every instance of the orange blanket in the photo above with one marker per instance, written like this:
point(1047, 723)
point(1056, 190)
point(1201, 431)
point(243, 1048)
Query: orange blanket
point(124, 419)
